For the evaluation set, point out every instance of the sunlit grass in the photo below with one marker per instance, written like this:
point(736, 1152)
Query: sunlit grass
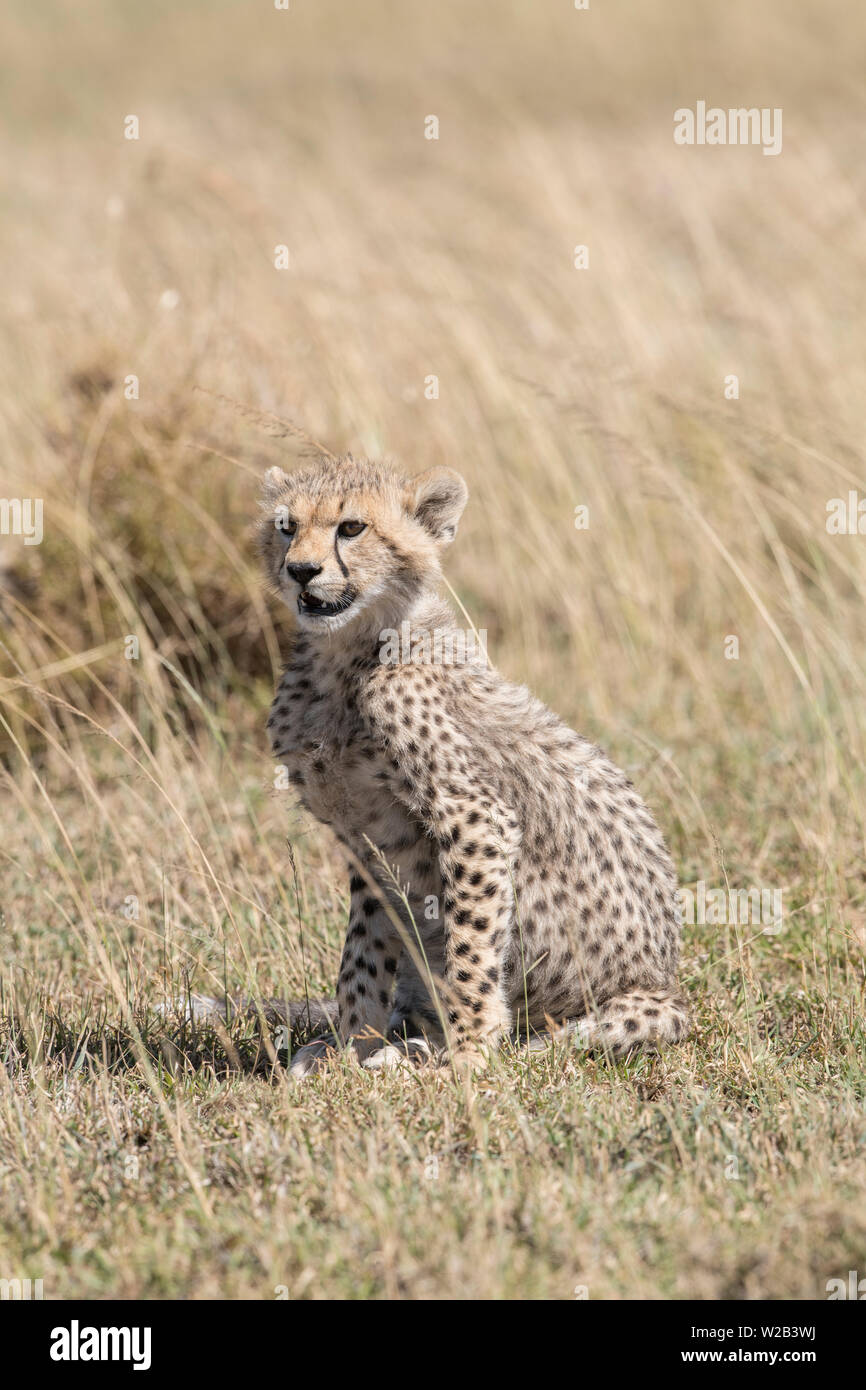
point(145, 850)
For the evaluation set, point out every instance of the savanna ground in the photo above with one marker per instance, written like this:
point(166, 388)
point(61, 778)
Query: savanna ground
point(145, 848)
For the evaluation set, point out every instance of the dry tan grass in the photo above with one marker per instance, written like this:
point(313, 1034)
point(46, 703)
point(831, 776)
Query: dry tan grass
point(139, 1159)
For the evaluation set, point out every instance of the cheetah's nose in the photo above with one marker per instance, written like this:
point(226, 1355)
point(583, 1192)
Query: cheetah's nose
point(302, 574)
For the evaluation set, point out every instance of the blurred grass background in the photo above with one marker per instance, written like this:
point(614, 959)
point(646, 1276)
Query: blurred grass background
point(143, 843)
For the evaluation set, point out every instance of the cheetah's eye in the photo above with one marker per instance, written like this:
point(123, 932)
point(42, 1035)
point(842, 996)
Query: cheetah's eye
point(284, 524)
point(351, 528)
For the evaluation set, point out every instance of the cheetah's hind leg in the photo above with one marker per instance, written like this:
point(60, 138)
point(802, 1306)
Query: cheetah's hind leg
point(642, 1020)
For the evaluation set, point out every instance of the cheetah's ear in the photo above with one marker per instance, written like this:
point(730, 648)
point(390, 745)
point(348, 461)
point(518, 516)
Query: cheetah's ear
point(273, 483)
point(438, 499)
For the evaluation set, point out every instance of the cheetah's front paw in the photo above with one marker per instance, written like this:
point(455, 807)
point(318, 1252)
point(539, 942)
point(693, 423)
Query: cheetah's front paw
point(467, 1058)
point(406, 1056)
point(322, 1052)
point(315, 1057)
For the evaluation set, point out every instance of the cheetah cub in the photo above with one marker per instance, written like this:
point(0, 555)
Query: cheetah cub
point(505, 876)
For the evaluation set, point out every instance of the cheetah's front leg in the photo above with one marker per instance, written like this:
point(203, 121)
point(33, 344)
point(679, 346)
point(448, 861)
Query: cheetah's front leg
point(367, 968)
point(436, 776)
point(477, 911)
point(365, 983)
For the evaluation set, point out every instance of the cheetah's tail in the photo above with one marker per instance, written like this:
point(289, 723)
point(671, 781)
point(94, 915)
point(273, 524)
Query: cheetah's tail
point(310, 1015)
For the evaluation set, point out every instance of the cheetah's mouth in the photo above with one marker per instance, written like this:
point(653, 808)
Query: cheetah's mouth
point(314, 607)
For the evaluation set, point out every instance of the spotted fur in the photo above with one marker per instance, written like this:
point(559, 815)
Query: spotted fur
point(504, 874)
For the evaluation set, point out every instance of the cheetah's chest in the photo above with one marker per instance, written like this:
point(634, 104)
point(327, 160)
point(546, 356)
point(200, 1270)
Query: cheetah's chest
point(334, 766)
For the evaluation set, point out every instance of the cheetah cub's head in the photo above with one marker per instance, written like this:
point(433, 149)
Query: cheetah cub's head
point(345, 537)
